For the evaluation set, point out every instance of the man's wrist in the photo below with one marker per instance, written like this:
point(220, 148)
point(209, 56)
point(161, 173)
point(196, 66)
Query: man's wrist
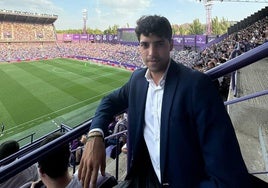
point(94, 134)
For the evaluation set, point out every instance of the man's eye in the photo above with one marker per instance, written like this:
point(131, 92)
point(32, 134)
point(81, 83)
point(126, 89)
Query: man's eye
point(160, 43)
point(144, 45)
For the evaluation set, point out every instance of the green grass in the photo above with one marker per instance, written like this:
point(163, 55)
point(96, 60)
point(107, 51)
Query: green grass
point(35, 97)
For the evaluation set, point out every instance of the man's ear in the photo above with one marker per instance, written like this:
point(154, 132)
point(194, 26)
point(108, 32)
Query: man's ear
point(41, 172)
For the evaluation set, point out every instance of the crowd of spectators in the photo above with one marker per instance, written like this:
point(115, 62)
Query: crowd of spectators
point(117, 126)
point(76, 147)
point(25, 51)
point(112, 52)
point(240, 42)
point(233, 45)
point(26, 32)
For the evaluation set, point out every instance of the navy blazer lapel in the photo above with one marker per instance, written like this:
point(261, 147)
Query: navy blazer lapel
point(169, 92)
point(141, 87)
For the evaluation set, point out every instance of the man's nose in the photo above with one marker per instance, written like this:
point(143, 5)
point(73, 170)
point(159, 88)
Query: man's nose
point(152, 50)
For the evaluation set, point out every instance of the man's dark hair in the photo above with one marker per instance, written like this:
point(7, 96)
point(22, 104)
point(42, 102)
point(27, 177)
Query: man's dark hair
point(8, 148)
point(55, 163)
point(156, 25)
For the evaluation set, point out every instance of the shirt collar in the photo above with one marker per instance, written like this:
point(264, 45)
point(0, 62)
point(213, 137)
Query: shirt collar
point(162, 80)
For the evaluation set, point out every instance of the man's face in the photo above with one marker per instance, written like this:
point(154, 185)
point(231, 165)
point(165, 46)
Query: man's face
point(155, 52)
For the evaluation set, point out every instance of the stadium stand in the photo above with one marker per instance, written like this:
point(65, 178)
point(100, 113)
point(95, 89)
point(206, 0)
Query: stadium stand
point(17, 26)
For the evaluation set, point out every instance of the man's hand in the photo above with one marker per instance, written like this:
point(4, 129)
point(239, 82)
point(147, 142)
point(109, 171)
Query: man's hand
point(93, 159)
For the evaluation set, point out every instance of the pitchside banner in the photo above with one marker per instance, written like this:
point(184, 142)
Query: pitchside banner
point(76, 37)
point(98, 38)
point(104, 38)
point(189, 40)
point(112, 39)
point(91, 37)
point(84, 37)
point(178, 40)
point(201, 40)
point(67, 37)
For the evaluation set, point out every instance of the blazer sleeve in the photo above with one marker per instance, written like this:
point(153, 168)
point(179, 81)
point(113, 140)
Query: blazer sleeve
point(110, 105)
point(220, 149)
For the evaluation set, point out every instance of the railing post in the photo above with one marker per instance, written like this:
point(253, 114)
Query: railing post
point(117, 157)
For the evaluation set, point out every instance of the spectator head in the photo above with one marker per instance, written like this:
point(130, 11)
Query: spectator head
point(8, 148)
point(83, 139)
point(55, 164)
point(156, 25)
point(211, 65)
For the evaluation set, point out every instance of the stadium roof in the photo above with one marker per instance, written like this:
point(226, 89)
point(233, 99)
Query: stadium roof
point(27, 17)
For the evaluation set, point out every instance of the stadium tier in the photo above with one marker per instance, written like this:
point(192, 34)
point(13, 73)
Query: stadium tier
point(27, 17)
point(17, 26)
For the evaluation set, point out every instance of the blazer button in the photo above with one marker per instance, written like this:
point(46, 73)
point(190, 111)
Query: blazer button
point(165, 185)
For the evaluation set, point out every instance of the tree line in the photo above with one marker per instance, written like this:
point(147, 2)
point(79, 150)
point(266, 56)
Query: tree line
point(218, 26)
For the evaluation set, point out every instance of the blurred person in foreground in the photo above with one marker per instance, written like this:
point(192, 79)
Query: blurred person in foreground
point(53, 168)
point(7, 149)
point(54, 173)
point(179, 133)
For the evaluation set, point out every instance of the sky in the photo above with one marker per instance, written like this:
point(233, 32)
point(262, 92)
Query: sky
point(104, 13)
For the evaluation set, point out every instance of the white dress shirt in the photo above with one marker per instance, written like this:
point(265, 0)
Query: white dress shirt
point(152, 126)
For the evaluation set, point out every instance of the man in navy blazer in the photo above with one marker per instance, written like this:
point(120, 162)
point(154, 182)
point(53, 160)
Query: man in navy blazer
point(179, 133)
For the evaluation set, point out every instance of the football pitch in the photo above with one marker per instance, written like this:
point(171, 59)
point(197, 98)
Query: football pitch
point(36, 97)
